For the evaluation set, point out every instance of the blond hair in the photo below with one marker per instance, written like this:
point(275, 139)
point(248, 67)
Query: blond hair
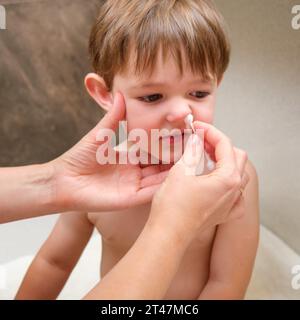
point(193, 28)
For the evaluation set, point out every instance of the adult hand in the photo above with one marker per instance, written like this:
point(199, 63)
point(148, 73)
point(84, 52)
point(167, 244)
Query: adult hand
point(81, 183)
point(184, 205)
point(190, 203)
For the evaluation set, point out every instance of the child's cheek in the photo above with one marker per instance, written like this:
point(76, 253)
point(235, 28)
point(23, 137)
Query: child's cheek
point(204, 112)
point(138, 116)
point(204, 116)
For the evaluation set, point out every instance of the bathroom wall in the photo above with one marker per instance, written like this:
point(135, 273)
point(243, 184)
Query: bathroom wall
point(259, 104)
point(44, 108)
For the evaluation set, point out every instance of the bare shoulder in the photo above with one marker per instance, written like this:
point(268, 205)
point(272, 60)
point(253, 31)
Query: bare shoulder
point(248, 222)
point(244, 231)
point(250, 218)
point(235, 246)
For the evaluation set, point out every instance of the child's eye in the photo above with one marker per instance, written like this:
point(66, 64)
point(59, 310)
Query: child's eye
point(151, 98)
point(200, 94)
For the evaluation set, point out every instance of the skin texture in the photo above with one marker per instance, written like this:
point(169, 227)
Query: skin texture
point(178, 95)
point(211, 260)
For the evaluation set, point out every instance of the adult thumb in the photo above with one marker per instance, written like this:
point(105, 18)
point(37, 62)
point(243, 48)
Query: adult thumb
point(112, 117)
point(193, 156)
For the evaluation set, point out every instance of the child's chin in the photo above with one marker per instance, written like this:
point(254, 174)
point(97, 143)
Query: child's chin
point(164, 154)
point(165, 158)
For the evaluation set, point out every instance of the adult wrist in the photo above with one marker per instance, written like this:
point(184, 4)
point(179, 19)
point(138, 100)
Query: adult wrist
point(59, 195)
point(169, 231)
point(45, 179)
point(27, 192)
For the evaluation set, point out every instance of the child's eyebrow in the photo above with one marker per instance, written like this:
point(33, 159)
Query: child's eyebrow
point(162, 84)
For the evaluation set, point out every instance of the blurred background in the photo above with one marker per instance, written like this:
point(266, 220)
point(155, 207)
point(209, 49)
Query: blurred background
point(44, 110)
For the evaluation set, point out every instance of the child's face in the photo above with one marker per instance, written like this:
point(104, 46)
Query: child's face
point(166, 98)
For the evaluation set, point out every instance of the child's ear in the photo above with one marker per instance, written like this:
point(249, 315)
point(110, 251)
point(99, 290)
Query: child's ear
point(97, 89)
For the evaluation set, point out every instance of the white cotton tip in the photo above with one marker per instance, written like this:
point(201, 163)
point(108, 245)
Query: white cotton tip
point(189, 119)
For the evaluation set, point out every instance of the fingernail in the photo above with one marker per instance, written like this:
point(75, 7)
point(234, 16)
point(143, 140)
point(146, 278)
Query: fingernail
point(195, 139)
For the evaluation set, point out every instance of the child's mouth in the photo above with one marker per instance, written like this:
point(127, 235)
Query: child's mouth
point(172, 139)
point(178, 137)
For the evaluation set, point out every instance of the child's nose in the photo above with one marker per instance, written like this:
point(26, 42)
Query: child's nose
point(178, 112)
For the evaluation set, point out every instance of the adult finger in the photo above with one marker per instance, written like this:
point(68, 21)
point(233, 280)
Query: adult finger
point(154, 179)
point(241, 158)
point(244, 181)
point(238, 210)
point(224, 153)
point(193, 153)
point(112, 117)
